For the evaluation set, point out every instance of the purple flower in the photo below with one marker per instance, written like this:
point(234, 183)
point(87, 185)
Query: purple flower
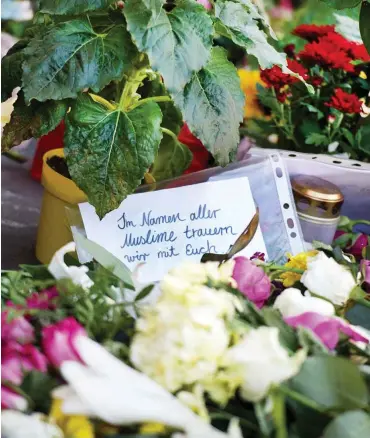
point(58, 341)
point(258, 256)
point(360, 243)
point(252, 281)
point(326, 328)
point(18, 329)
point(11, 400)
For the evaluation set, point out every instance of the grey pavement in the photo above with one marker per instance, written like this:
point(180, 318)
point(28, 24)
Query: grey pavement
point(21, 198)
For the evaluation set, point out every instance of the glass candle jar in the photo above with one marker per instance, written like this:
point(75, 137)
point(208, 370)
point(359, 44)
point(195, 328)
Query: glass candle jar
point(318, 204)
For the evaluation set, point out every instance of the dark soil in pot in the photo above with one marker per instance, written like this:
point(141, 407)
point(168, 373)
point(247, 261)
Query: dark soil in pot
point(59, 165)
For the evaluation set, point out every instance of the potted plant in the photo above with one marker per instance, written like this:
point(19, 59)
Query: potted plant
point(124, 77)
point(335, 118)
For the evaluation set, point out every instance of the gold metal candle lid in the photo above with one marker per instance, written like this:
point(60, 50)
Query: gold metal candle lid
point(316, 197)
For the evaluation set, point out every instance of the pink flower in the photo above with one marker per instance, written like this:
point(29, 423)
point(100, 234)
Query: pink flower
point(326, 328)
point(205, 3)
point(58, 341)
point(18, 329)
point(365, 269)
point(252, 281)
point(12, 400)
point(360, 243)
point(44, 300)
point(17, 359)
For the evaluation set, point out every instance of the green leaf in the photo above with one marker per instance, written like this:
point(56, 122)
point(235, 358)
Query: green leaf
point(313, 109)
point(310, 342)
point(359, 315)
point(11, 69)
point(172, 117)
point(342, 4)
point(316, 139)
point(72, 7)
point(267, 97)
point(332, 382)
point(349, 136)
point(106, 259)
point(364, 24)
point(32, 121)
point(237, 22)
point(173, 158)
point(108, 151)
point(364, 144)
point(144, 292)
point(286, 334)
point(177, 43)
point(212, 104)
point(353, 424)
point(38, 386)
point(71, 57)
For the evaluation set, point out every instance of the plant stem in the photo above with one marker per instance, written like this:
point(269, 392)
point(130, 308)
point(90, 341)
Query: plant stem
point(170, 133)
point(362, 301)
point(303, 400)
point(278, 414)
point(151, 99)
point(284, 269)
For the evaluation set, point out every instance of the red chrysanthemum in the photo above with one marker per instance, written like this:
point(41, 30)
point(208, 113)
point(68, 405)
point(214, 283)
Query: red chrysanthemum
point(327, 55)
point(275, 78)
point(311, 32)
point(345, 102)
point(338, 40)
point(289, 49)
point(358, 52)
point(298, 68)
point(316, 81)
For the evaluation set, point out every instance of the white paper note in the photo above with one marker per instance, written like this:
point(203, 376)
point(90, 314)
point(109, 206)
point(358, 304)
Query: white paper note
point(163, 228)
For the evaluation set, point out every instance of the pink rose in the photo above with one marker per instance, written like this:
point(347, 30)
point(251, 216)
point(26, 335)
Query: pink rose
point(252, 281)
point(18, 329)
point(365, 269)
point(58, 341)
point(326, 328)
point(12, 400)
point(16, 359)
point(205, 3)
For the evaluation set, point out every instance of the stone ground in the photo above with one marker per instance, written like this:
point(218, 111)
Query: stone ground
point(21, 198)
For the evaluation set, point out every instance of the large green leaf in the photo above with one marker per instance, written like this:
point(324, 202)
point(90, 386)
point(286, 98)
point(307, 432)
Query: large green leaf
point(239, 23)
point(71, 57)
point(108, 151)
point(212, 104)
point(11, 69)
point(177, 43)
point(173, 158)
point(332, 382)
point(353, 424)
point(365, 24)
point(342, 4)
point(32, 121)
point(172, 117)
point(72, 7)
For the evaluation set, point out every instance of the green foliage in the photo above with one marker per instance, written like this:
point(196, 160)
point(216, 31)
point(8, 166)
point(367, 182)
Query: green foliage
point(212, 104)
point(120, 55)
point(364, 24)
point(108, 151)
point(38, 387)
point(342, 4)
point(34, 120)
point(352, 424)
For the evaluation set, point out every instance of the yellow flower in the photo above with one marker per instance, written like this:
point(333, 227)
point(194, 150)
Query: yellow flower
point(362, 75)
point(152, 428)
point(298, 261)
point(76, 426)
point(248, 81)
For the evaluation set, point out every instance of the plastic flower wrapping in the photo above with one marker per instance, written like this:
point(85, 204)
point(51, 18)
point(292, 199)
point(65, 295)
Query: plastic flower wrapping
point(245, 348)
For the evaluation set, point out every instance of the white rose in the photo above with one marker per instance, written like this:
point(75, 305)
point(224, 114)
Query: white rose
point(264, 362)
point(291, 302)
point(327, 278)
point(59, 269)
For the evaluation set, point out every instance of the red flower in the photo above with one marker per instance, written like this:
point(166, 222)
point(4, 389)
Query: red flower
point(296, 67)
point(358, 51)
point(316, 81)
point(326, 54)
point(338, 40)
point(311, 32)
point(201, 156)
point(275, 78)
point(345, 102)
point(289, 49)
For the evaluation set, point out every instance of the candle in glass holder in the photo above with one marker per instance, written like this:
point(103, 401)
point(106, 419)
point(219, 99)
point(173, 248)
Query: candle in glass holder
point(318, 204)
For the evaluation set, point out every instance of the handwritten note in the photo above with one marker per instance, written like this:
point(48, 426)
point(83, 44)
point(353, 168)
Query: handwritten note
point(161, 229)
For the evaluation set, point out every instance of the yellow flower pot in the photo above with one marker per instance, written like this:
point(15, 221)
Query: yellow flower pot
point(60, 192)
